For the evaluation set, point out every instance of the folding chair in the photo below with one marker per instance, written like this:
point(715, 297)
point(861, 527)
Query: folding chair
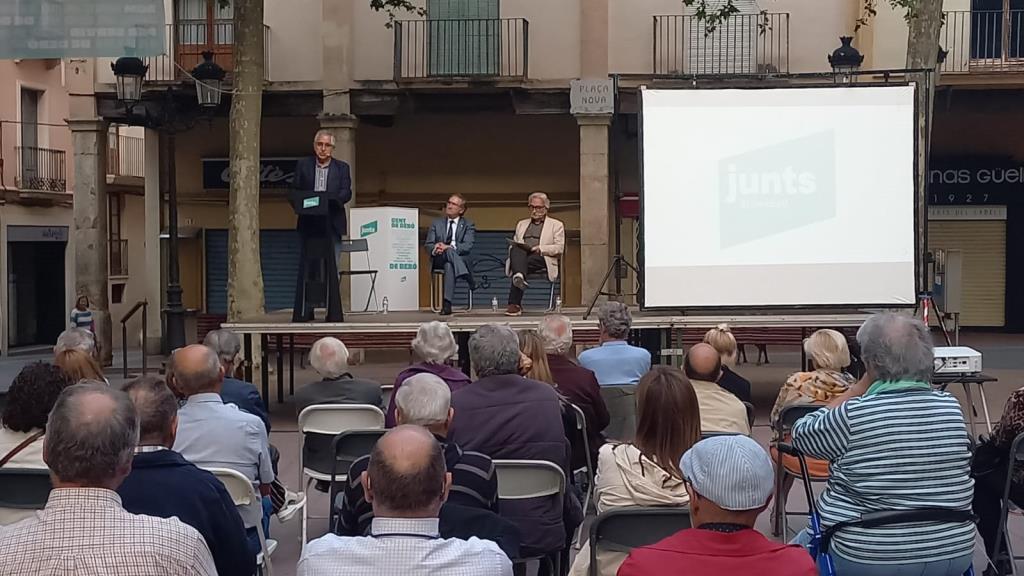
point(437, 285)
point(622, 529)
point(24, 489)
point(351, 246)
point(783, 426)
point(621, 402)
point(1016, 458)
point(319, 424)
point(750, 414)
point(588, 469)
point(526, 479)
point(348, 447)
point(556, 283)
point(244, 494)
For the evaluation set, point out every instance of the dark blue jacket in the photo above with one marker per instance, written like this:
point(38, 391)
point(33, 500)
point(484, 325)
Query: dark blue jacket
point(164, 484)
point(246, 397)
point(339, 191)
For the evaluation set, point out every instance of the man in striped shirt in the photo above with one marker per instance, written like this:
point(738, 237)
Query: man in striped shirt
point(894, 443)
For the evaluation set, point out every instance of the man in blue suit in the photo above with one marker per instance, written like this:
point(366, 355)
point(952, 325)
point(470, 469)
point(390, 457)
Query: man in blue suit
point(322, 173)
point(449, 240)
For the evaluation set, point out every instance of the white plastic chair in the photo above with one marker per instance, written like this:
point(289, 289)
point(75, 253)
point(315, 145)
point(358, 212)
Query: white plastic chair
point(244, 494)
point(321, 423)
point(525, 479)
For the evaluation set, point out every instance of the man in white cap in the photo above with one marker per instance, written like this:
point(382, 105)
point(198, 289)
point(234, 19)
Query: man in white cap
point(730, 482)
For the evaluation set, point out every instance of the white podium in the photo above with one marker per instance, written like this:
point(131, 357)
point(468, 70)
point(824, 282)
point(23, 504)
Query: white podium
point(394, 242)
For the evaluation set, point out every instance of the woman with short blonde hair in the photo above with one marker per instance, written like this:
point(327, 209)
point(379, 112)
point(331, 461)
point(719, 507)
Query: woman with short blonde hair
point(434, 346)
point(722, 340)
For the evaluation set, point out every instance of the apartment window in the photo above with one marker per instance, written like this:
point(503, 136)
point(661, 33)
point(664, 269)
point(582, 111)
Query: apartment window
point(202, 25)
point(997, 30)
point(465, 37)
point(118, 253)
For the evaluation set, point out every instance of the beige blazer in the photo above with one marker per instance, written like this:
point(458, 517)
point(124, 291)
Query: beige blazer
point(552, 243)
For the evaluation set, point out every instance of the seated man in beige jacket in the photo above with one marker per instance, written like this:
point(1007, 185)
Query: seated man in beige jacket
point(537, 244)
point(720, 410)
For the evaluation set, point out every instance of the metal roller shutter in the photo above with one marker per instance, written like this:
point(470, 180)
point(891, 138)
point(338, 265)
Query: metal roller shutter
point(983, 243)
point(279, 257)
point(488, 264)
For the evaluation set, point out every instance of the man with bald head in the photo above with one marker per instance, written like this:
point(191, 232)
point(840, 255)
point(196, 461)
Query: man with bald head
point(406, 483)
point(91, 435)
point(720, 410)
point(212, 434)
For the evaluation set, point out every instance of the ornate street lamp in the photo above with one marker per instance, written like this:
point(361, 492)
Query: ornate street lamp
point(129, 72)
point(208, 76)
point(845, 60)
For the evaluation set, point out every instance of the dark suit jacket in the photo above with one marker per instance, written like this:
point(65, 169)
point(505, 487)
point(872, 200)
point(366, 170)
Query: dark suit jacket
point(246, 397)
point(343, 390)
point(465, 235)
point(580, 386)
point(463, 522)
point(164, 484)
point(733, 382)
point(339, 191)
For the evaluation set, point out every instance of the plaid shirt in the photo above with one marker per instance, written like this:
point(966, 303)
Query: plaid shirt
point(86, 532)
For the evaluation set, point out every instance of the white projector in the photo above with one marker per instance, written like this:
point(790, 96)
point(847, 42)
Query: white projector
point(957, 360)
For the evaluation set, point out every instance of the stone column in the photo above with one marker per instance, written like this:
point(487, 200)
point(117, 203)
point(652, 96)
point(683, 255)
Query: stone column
point(89, 141)
point(595, 201)
point(154, 223)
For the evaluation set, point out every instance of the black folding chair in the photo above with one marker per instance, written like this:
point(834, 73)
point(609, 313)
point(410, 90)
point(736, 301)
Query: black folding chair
point(620, 400)
point(24, 488)
point(588, 468)
point(348, 447)
point(351, 246)
point(622, 529)
point(1016, 458)
point(783, 426)
point(750, 414)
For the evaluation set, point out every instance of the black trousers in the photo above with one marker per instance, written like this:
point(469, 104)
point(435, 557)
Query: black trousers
point(988, 499)
point(522, 262)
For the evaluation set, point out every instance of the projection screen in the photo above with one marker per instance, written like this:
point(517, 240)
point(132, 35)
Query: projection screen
point(778, 197)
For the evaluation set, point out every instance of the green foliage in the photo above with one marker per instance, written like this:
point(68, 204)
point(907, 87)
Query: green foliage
point(390, 7)
point(715, 13)
point(909, 7)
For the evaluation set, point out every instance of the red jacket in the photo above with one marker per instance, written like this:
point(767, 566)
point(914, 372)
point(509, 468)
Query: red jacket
point(696, 552)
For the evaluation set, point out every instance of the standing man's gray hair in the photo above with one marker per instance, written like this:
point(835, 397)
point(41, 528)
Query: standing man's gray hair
point(225, 343)
point(494, 350)
point(329, 357)
point(896, 347)
point(615, 319)
point(556, 332)
point(424, 400)
point(75, 339)
point(327, 133)
point(434, 342)
point(91, 435)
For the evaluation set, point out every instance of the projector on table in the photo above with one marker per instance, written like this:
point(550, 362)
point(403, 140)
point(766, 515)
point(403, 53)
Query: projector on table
point(957, 360)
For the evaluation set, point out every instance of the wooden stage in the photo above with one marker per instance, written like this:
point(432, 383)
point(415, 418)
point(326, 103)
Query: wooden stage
point(664, 333)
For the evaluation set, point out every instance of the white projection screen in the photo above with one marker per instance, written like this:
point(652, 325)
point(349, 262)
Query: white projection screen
point(778, 197)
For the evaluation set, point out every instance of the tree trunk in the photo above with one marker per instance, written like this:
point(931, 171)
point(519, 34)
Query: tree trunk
point(925, 22)
point(245, 278)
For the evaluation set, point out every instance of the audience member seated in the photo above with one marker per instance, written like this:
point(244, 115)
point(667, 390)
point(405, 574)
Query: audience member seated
point(90, 437)
point(425, 400)
point(75, 339)
point(991, 460)
point(212, 434)
point(78, 366)
point(29, 400)
point(165, 485)
point(533, 360)
point(720, 410)
point(234, 391)
point(329, 357)
point(722, 340)
point(646, 472)
point(576, 383)
point(406, 483)
point(434, 345)
point(616, 361)
point(730, 482)
point(504, 415)
point(894, 443)
point(828, 354)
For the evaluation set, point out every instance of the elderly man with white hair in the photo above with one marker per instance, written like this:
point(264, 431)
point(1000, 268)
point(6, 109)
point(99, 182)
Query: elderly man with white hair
point(616, 361)
point(329, 357)
point(425, 400)
point(434, 345)
point(576, 383)
point(536, 246)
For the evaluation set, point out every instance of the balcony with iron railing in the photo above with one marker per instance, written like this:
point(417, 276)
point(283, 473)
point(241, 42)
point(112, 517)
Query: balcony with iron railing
point(475, 49)
point(186, 40)
point(41, 169)
point(741, 45)
point(125, 156)
point(982, 41)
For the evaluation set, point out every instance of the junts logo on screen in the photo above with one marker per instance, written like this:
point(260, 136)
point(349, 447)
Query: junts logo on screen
point(777, 188)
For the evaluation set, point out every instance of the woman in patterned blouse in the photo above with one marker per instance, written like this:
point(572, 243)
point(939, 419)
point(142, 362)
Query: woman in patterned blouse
point(990, 482)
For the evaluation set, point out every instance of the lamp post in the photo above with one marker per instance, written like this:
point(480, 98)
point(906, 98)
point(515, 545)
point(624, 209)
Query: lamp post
point(845, 60)
point(170, 120)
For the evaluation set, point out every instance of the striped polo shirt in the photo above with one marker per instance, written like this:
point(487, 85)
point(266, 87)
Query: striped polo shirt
point(894, 450)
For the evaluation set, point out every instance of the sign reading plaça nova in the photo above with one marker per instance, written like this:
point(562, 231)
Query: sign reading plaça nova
point(275, 172)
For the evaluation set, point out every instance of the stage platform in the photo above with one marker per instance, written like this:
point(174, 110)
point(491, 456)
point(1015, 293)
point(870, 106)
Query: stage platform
point(665, 334)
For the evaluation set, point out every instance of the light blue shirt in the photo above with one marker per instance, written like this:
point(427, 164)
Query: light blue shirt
point(616, 362)
point(212, 434)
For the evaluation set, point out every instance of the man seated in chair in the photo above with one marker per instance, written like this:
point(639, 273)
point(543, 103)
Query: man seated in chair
point(449, 241)
point(535, 249)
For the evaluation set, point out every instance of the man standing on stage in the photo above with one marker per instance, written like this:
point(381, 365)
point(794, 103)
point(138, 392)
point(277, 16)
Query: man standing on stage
point(536, 246)
point(321, 173)
point(449, 240)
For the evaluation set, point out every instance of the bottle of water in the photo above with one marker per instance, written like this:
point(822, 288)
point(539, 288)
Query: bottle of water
point(558, 304)
point(494, 304)
point(384, 305)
